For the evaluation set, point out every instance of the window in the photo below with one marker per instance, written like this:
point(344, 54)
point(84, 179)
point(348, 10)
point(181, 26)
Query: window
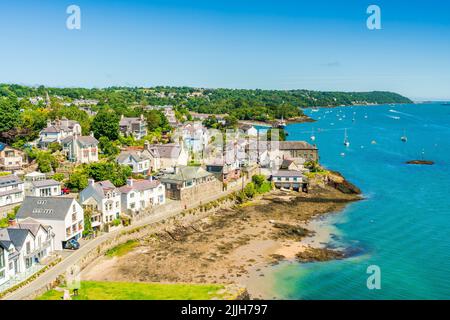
point(2, 258)
point(28, 246)
point(74, 216)
point(67, 232)
point(132, 195)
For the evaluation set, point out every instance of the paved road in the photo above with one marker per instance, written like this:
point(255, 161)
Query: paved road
point(52, 274)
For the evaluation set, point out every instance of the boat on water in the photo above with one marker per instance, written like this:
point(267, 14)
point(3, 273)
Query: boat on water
point(313, 137)
point(281, 124)
point(315, 110)
point(346, 141)
point(404, 138)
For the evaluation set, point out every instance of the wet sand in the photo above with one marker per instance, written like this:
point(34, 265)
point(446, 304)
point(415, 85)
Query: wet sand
point(236, 245)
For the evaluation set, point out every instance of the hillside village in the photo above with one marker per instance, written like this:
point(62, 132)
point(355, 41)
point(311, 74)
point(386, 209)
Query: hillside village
point(68, 185)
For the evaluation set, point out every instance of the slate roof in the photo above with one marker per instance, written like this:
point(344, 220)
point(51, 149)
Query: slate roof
point(32, 225)
point(62, 125)
point(296, 145)
point(6, 181)
point(82, 140)
point(287, 173)
point(170, 150)
point(15, 236)
point(45, 183)
point(134, 154)
point(140, 185)
point(52, 208)
point(185, 173)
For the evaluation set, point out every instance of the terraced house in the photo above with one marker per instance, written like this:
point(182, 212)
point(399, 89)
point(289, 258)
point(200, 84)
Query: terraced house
point(103, 200)
point(24, 247)
point(138, 195)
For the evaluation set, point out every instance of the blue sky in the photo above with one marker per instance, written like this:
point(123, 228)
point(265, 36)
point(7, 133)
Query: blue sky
point(320, 45)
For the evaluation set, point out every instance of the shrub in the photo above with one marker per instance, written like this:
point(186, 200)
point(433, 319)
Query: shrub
point(58, 177)
point(250, 190)
point(258, 180)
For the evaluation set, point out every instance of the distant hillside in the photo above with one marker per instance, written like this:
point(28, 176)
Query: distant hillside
point(242, 104)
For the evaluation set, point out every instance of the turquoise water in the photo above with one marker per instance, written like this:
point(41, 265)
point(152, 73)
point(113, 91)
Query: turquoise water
point(403, 226)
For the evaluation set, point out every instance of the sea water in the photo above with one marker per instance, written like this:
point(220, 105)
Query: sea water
point(403, 225)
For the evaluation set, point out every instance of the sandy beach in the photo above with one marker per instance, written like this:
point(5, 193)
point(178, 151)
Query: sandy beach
point(232, 246)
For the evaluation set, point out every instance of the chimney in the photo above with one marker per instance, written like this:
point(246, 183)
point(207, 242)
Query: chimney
point(121, 117)
point(142, 117)
point(12, 223)
point(49, 123)
point(91, 182)
point(146, 145)
point(130, 182)
point(92, 133)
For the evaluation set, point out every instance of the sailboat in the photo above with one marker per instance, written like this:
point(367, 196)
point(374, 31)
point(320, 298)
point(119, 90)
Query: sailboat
point(313, 137)
point(404, 138)
point(346, 142)
point(282, 123)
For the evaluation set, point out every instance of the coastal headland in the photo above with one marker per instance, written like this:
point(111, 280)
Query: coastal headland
point(232, 245)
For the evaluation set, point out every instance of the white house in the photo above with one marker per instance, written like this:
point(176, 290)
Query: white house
point(11, 190)
point(44, 188)
point(57, 130)
point(4, 261)
point(141, 161)
point(169, 155)
point(103, 200)
point(81, 149)
point(64, 215)
point(24, 245)
point(10, 158)
point(138, 195)
point(249, 130)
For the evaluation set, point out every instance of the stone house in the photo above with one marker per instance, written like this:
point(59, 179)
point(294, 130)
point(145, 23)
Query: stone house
point(191, 183)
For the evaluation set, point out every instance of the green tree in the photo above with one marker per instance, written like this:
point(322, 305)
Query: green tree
point(111, 171)
point(106, 124)
point(9, 114)
point(46, 161)
point(54, 146)
point(77, 181)
point(108, 148)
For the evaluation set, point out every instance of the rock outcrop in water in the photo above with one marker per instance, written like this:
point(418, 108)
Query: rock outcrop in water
point(421, 162)
point(337, 181)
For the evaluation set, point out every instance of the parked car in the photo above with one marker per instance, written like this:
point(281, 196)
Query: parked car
point(65, 190)
point(72, 244)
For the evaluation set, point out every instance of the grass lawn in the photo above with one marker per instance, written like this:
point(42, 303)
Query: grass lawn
point(98, 290)
point(122, 249)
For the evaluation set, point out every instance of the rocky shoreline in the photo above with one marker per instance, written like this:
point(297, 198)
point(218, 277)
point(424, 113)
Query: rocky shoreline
point(232, 245)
